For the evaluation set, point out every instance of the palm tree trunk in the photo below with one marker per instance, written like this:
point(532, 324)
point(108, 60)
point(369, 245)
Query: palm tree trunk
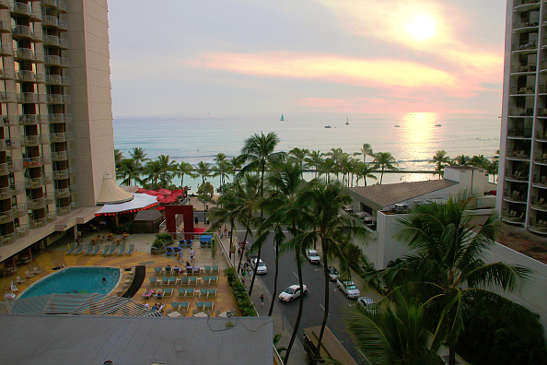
point(381, 175)
point(326, 303)
point(231, 238)
point(275, 278)
point(255, 270)
point(300, 306)
point(242, 250)
point(452, 355)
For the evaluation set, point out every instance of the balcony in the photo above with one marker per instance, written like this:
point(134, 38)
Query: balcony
point(35, 140)
point(521, 26)
point(63, 210)
point(32, 162)
point(520, 133)
point(525, 5)
point(6, 74)
point(522, 91)
point(30, 119)
point(57, 79)
point(524, 48)
point(520, 112)
point(4, 4)
point(515, 196)
point(51, 40)
point(37, 182)
point(54, 60)
point(518, 155)
point(60, 118)
point(12, 143)
point(541, 159)
point(63, 174)
point(33, 98)
point(513, 216)
point(39, 203)
point(24, 31)
point(38, 222)
point(62, 193)
point(59, 156)
point(58, 98)
point(6, 50)
point(5, 27)
point(20, 8)
point(7, 216)
point(521, 69)
point(7, 192)
point(27, 54)
point(53, 21)
point(59, 137)
point(26, 76)
point(60, 5)
point(6, 97)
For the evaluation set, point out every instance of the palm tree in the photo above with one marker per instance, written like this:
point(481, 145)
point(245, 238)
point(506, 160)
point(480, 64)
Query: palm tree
point(167, 166)
point(153, 171)
point(299, 154)
point(203, 170)
point(366, 150)
point(385, 161)
point(118, 157)
point(448, 248)
point(335, 155)
point(394, 333)
point(127, 171)
point(139, 156)
point(313, 160)
point(226, 212)
point(441, 160)
point(479, 161)
point(183, 168)
point(333, 228)
point(222, 168)
point(461, 160)
point(365, 170)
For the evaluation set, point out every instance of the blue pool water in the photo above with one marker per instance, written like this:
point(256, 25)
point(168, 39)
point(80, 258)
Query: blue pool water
point(76, 280)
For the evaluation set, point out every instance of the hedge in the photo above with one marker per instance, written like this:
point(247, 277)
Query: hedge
point(240, 293)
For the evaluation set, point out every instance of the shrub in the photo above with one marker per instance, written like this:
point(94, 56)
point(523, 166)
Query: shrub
point(498, 331)
point(164, 237)
point(240, 293)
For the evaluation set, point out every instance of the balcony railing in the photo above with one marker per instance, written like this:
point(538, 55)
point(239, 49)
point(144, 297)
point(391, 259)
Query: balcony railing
point(515, 112)
point(59, 156)
point(7, 216)
point(6, 97)
point(59, 4)
point(531, 45)
point(515, 196)
point(26, 75)
point(524, 68)
point(527, 24)
point(33, 183)
point(59, 137)
point(62, 193)
point(38, 222)
point(30, 119)
point(5, 27)
point(58, 98)
point(20, 8)
point(51, 40)
point(57, 79)
point(31, 162)
point(60, 118)
point(55, 60)
point(63, 210)
point(36, 140)
point(27, 54)
point(524, 4)
point(31, 98)
point(7, 192)
point(53, 21)
point(12, 143)
point(522, 155)
point(4, 4)
point(5, 50)
point(24, 31)
point(522, 90)
point(520, 133)
point(513, 216)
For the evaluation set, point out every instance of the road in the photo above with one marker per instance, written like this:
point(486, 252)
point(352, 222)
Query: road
point(313, 310)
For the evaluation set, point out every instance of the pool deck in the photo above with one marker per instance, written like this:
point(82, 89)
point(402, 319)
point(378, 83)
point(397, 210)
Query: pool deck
point(55, 256)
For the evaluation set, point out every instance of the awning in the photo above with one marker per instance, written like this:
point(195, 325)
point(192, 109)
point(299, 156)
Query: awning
point(139, 202)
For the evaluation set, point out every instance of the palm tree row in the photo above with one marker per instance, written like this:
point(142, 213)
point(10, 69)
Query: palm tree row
point(274, 204)
point(441, 160)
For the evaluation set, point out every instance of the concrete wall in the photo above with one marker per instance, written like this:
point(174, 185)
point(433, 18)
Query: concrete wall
point(91, 99)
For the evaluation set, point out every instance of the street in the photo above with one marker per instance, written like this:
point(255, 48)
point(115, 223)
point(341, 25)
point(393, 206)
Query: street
point(313, 310)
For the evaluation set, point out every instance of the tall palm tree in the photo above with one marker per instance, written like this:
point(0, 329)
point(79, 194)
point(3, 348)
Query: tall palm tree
point(335, 155)
point(441, 160)
point(365, 170)
point(118, 157)
point(385, 161)
point(366, 150)
point(153, 171)
point(182, 169)
point(448, 248)
point(139, 156)
point(333, 228)
point(167, 166)
point(394, 333)
point(222, 168)
point(203, 170)
point(461, 160)
point(299, 154)
point(313, 160)
point(127, 171)
point(226, 212)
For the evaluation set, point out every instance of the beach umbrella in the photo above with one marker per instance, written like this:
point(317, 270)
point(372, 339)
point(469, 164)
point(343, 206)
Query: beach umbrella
point(201, 315)
point(174, 314)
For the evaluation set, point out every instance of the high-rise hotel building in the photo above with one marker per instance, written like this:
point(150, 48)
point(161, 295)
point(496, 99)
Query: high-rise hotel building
point(522, 187)
point(56, 140)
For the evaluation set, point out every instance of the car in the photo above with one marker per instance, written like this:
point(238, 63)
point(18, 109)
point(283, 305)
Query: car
point(262, 268)
point(367, 303)
point(333, 273)
point(348, 288)
point(313, 256)
point(292, 293)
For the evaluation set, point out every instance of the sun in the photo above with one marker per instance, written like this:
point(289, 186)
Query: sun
point(421, 28)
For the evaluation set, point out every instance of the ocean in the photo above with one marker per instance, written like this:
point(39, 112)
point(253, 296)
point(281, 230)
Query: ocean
point(412, 138)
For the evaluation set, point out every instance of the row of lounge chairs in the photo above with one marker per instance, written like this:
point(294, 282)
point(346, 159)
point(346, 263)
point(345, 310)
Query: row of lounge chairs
point(168, 270)
point(93, 250)
point(182, 292)
point(201, 306)
point(185, 280)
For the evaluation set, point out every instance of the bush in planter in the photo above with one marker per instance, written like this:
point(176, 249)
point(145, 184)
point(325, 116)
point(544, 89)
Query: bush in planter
point(240, 293)
point(165, 238)
point(158, 247)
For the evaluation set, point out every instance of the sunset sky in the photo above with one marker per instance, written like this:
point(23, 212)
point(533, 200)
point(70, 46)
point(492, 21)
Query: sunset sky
point(230, 57)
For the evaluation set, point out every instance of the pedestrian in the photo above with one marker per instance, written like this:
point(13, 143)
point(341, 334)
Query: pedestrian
point(179, 256)
point(262, 299)
point(192, 255)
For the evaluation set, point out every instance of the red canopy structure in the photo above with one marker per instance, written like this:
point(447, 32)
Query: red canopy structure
point(165, 196)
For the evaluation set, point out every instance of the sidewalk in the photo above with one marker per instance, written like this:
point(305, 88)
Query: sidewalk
point(281, 325)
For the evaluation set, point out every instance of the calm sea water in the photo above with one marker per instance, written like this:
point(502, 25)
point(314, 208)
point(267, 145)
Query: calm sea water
point(412, 138)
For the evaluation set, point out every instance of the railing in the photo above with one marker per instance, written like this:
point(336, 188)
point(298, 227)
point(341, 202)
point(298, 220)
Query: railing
point(62, 193)
point(57, 79)
point(27, 119)
point(59, 137)
point(6, 50)
point(20, 8)
point(7, 192)
point(35, 140)
point(38, 222)
point(7, 216)
point(522, 133)
point(26, 75)
point(525, 2)
point(5, 26)
point(524, 68)
point(4, 168)
point(4, 4)
point(525, 24)
point(27, 97)
point(60, 118)
point(12, 143)
point(61, 174)
point(6, 97)
point(519, 154)
point(27, 54)
point(59, 156)
point(25, 31)
point(55, 41)
point(58, 98)
point(33, 183)
point(521, 90)
point(31, 162)
point(56, 60)
point(525, 46)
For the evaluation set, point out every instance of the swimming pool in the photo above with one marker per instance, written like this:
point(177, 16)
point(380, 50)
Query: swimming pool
point(76, 280)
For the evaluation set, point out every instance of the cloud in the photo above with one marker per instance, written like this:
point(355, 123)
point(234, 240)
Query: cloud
point(355, 71)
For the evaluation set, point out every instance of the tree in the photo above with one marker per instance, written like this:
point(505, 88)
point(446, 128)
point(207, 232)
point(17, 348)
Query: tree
point(138, 155)
point(448, 263)
point(441, 160)
point(206, 191)
point(226, 212)
point(394, 333)
point(365, 170)
point(333, 228)
point(258, 151)
point(166, 166)
point(222, 168)
point(118, 157)
point(127, 171)
point(385, 161)
point(203, 170)
point(314, 160)
point(461, 160)
point(299, 154)
point(366, 150)
point(153, 171)
point(182, 169)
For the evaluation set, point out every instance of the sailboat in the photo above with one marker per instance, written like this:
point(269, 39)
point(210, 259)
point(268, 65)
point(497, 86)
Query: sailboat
point(282, 119)
point(347, 120)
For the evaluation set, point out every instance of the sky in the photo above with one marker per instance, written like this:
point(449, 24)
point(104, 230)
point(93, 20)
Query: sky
point(236, 57)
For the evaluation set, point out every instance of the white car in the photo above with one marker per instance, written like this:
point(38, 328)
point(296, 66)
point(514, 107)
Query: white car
point(291, 293)
point(367, 303)
point(262, 269)
point(313, 256)
point(348, 288)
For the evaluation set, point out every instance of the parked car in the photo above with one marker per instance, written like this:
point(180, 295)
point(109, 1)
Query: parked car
point(262, 268)
point(367, 303)
point(313, 256)
point(333, 273)
point(291, 293)
point(348, 288)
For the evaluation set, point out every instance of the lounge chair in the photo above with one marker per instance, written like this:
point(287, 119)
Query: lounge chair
point(203, 292)
point(88, 250)
point(189, 292)
point(95, 251)
point(165, 280)
point(19, 280)
point(181, 291)
point(131, 249)
point(171, 280)
point(122, 249)
point(106, 250)
point(214, 269)
point(207, 269)
point(153, 280)
point(192, 280)
point(208, 306)
point(168, 292)
point(183, 306)
point(211, 292)
point(147, 293)
point(184, 280)
point(200, 305)
point(158, 270)
point(213, 280)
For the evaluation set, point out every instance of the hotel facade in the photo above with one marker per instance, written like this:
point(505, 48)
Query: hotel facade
point(522, 188)
point(56, 139)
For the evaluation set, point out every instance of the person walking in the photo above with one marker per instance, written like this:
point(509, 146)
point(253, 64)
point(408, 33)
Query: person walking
point(262, 299)
point(192, 255)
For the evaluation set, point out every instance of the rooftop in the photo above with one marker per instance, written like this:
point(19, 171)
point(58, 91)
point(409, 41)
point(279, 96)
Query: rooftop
point(382, 196)
point(128, 340)
point(524, 242)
